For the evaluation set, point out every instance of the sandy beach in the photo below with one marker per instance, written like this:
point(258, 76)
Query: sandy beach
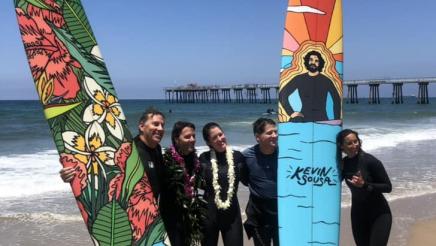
point(414, 224)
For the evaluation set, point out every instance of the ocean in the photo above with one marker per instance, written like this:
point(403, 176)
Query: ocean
point(402, 136)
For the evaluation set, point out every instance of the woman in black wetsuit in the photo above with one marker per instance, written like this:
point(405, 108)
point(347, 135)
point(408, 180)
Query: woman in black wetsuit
point(220, 168)
point(371, 217)
point(182, 209)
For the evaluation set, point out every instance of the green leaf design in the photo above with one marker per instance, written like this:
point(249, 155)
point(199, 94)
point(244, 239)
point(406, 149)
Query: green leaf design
point(134, 172)
point(93, 67)
point(155, 234)
point(56, 110)
point(40, 4)
point(22, 4)
point(112, 226)
point(78, 24)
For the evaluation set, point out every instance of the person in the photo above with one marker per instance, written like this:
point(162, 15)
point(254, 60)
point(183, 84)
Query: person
point(182, 207)
point(311, 96)
point(367, 179)
point(259, 173)
point(150, 133)
point(220, 171)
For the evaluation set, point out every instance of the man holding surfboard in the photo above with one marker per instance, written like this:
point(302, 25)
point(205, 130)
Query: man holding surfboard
point(259, 173)
point(151, 131)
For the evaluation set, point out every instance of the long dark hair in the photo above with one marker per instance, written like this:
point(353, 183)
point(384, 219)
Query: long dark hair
point(178, 128)
point(340, 141)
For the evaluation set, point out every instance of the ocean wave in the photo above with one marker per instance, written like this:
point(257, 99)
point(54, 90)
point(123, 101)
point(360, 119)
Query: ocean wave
point(376, 138)
point(43, 217)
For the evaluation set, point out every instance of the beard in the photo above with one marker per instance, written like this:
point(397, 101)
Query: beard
point(313, 68)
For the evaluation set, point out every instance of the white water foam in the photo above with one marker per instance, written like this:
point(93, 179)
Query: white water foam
point(30, 174)
point(375, 138)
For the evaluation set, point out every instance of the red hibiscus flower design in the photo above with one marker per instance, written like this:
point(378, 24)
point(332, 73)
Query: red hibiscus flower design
point(46, 52)
point(121, 156)
point(142, 209)
point(80, 179)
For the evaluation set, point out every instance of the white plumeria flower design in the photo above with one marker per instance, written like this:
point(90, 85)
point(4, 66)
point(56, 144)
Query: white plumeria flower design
point(106, 108)
point(89, 149)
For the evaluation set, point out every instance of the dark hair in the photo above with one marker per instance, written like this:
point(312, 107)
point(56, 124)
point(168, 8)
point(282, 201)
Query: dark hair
point(178, 128)
point(340, 141)
point(148, 114)
point(207, 128)
point(259, 125)
point(314, 53)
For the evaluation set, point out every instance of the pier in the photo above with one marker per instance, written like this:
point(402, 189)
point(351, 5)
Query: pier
point(267, 93)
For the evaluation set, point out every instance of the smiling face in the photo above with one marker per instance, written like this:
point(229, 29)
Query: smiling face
point(186, 141)
point(152, 130)
point(217, 140)
point(268, 139)
point(351, 145)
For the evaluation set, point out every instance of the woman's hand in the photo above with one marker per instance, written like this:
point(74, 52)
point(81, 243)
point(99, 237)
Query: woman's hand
point(67, 174)
point(357, 180)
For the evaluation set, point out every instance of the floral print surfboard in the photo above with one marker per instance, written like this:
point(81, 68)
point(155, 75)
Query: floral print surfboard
point(88, 124)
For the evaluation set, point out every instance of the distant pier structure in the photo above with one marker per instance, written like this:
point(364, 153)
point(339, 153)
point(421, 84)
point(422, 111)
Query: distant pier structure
point(242, 93)
point(268, 93)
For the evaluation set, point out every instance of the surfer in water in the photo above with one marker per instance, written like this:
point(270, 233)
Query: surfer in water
point(371, 217)
point(220, 171)
point(181, 206)
point(259, 173)
point(311, 96)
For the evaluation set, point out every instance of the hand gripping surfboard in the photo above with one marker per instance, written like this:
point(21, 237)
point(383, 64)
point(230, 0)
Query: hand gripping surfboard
point(88, 125)
point(310, 116)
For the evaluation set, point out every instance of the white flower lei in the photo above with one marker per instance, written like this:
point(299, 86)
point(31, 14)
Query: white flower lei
point(230, 175)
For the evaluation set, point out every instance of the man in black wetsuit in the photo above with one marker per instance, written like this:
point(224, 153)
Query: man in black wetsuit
point(311, 96)
point(259, 173)
point(151, 131)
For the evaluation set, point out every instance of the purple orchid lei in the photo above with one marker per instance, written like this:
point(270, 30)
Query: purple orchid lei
point(189, 181)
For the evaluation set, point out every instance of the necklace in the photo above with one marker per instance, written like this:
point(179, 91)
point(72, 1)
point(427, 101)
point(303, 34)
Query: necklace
point(189, 181)
point(230, 176)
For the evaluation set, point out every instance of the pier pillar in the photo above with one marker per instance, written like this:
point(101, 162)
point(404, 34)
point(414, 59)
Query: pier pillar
point(374, 93)
point(423, 93)
point(352, 94)
point(251, 95)
point(239, 98)
point(397, 93)
point(266, 97)
point(226, 95)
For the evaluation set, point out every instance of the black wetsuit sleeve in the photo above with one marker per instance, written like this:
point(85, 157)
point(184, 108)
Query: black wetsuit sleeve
point(289, 88)
point(336, 103)
point(243, 170)
point(203, 162)
point(381, 182)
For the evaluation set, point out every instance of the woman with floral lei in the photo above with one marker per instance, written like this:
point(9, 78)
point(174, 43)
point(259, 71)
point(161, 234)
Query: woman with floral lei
point(220, 170)
point(182, 208)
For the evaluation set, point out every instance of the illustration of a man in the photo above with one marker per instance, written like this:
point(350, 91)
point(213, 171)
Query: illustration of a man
point(311, 96)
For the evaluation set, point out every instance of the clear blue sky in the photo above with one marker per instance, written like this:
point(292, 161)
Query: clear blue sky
point(148, 45)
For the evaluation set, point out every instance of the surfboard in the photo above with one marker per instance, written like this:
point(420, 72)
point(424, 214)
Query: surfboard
point(88, 124)
point(310, 116)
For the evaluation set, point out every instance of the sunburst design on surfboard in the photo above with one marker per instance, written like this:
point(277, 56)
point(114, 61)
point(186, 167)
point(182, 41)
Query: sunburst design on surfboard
point(310, 116)
point(88, 124)
point(312, 25)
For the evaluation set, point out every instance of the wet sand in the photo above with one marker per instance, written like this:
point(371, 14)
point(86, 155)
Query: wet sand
point(413, 225)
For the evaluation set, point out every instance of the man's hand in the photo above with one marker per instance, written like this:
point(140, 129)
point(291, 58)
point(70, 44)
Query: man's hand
point(67, 174)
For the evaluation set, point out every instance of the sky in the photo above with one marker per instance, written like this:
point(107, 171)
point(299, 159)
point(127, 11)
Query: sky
point(151, 44)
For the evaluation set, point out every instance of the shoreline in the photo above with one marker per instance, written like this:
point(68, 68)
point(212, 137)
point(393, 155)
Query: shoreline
point(414, 224)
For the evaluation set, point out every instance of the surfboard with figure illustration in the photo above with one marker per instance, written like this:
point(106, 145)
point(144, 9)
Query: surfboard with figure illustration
point(310, 116)
point(88, 124)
